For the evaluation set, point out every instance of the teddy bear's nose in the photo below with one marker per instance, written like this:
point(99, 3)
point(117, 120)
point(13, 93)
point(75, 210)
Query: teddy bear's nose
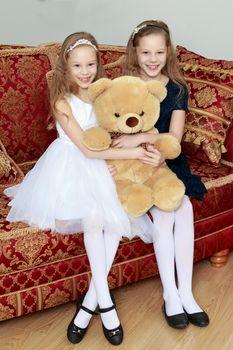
point(132, 122)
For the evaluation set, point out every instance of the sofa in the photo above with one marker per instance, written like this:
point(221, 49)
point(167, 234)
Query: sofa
point(39, 269)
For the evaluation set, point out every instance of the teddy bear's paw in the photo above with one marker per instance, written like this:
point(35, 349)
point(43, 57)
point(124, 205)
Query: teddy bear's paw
point(96, 139)
point(168, 146)
point(137, 199)
point(169, 196)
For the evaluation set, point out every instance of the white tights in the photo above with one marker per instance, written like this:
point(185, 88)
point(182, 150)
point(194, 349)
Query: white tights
point(173, 240)
point(101, 249)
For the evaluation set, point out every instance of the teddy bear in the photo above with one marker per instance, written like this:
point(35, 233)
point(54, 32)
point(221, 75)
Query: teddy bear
point(128, 105)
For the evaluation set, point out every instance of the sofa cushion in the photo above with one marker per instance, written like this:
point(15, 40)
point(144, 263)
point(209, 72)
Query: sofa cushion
point(25, 247)
point(24, 102)
point(218, 181)
point(111, 53)
point(10, 173)
point(210, 114)
point(112, 58)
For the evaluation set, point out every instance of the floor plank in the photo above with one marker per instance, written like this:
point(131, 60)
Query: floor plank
point(139, 307)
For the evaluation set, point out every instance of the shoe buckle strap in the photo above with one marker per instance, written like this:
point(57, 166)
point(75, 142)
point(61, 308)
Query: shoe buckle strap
point(88, 310)
point(107, 309)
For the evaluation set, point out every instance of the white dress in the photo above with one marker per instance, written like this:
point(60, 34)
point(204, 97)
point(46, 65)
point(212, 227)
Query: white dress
point(66, 189)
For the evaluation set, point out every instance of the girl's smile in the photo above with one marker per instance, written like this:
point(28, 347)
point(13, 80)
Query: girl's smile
point(152, 67)
point(152, 56)
point(82, 65)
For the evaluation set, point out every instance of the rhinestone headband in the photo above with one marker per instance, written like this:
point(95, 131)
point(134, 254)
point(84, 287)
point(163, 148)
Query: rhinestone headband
point(81, 42)
point(137, 29)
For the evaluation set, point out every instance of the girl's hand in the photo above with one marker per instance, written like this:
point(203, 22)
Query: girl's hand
point(127, 141)
point(112, 169)
point(152, 156)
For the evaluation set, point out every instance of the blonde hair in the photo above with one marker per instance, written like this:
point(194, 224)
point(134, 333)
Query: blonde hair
point(62, 83)
point(171, 69)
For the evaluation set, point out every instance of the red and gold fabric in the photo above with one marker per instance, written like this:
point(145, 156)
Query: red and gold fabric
point(229, 145)
point(10, 173)
point(210, 112)
point(24, 103)
point(112, 58)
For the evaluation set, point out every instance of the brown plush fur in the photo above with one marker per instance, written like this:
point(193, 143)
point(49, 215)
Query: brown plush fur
point(129, 105)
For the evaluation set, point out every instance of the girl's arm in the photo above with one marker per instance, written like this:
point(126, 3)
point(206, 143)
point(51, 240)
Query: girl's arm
point(112, 169)
point(176, 129)
point(74, 132)
point(129, 141)
point(155, 158)
point(177, 124)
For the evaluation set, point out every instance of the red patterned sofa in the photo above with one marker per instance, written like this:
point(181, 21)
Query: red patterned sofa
point(39, 269)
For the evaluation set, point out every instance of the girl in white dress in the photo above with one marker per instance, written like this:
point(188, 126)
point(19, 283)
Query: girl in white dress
point(70, 189)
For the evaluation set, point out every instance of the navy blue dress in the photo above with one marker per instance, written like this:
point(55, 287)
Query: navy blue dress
point(194, 187)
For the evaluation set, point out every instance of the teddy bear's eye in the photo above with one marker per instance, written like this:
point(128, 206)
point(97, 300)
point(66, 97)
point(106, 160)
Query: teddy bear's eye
point(141, 114)
point(117, 115)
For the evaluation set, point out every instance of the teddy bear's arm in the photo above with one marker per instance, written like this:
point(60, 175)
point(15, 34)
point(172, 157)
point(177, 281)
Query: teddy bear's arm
point(96, 139)
point(167, 145)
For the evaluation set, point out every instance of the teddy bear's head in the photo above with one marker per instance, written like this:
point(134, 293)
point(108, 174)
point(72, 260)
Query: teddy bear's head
point(127, 104)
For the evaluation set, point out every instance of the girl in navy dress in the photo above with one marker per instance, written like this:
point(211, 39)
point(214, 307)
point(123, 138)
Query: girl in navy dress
point(150, 55)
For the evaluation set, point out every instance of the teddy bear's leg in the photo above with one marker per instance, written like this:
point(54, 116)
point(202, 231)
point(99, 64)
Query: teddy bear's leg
point(168, 190)
point(136, 199)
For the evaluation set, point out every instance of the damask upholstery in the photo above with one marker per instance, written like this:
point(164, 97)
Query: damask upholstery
point(229, 145)
point(10, 173)
point(24, 101)
point(39, 269)
point(210, 113)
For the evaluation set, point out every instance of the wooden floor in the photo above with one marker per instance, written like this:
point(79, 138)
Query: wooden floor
point(139, 307)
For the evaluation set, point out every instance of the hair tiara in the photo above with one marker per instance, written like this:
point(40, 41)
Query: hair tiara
point(137, 29)
point(81, 42)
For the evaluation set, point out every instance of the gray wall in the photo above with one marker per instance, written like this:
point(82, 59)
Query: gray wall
point(204, 26)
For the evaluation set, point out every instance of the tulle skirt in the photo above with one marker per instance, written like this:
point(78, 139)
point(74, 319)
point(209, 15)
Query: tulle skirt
point(65, 189)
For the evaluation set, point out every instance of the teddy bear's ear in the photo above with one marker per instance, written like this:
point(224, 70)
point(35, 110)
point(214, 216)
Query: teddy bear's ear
point(99, 86)
point(157, 89)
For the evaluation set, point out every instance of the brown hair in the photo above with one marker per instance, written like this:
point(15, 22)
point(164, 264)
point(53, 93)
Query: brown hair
point(171, 69)
point(61, 83)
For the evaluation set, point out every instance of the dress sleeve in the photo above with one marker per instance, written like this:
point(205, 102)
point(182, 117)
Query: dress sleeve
point(182, 101)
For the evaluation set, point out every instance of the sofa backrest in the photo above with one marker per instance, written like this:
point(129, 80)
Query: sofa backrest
point(210, 114)
point(112, 58)
point(24, 99)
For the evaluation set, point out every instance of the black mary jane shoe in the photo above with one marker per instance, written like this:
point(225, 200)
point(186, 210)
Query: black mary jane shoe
point(74, 333)
point(200, 319)
point(115, 335)
point(178, 321)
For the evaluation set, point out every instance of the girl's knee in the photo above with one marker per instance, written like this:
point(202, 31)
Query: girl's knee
point(161, 215)
point(186, 208)
point(92, 225)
